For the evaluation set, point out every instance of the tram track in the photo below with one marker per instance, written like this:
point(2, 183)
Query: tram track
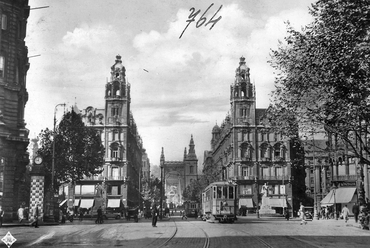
point(173, 238)
point(291, 238)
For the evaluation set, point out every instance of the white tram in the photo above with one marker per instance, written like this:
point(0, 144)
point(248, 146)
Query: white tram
point(219, 202)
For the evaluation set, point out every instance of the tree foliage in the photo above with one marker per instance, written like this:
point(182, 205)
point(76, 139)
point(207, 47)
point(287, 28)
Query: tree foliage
point(322, 79)
point(78, 151)
point(193, 192)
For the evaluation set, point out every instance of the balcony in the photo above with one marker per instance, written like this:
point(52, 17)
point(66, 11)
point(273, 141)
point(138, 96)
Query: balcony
point(280, 177)
point(345, 178)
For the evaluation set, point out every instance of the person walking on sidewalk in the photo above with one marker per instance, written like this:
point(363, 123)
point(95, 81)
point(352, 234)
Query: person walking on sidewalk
point(154, 214)
point(302, 214)
point(345, 213)
point(20, 214)
point(36, 214)
point(356, 211)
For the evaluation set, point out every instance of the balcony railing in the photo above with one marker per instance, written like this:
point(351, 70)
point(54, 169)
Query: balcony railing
point(281, 177)
point(345, 178)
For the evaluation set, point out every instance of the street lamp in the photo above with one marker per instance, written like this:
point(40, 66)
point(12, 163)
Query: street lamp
point(53, 158)
point(258, 197)
point(335, 203)
point(161, 199)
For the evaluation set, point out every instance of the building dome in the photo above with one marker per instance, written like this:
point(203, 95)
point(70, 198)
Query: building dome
point(216, 129)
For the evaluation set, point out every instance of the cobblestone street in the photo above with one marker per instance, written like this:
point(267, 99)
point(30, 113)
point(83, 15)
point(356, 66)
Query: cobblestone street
point(246, 232)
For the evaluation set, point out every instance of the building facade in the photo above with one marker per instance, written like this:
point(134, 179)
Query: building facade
point(118, 185)
point(332, 175)
point(177, 175)
point(248, 153)
point(13, 98)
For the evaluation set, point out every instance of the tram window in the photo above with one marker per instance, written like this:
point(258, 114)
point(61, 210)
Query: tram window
point(224, 189)
point(231, 192)
point(214, 192)
point(219, 192)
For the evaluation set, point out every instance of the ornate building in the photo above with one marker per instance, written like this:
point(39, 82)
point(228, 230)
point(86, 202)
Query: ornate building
point(179, 174)
point(248, 153)
point(119, 183)
point(13, 97)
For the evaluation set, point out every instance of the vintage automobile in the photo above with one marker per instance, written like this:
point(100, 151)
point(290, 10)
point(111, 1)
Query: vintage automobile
point(132, 213)
point(111, 214)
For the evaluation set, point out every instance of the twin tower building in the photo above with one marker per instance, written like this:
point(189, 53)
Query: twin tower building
point(242, 150)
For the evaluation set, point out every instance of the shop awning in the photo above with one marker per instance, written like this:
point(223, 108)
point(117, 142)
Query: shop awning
point(114, 203)
point(277, 203)
point(246, 202)
point(340, 195)
point(86, 203)
point(63, 202)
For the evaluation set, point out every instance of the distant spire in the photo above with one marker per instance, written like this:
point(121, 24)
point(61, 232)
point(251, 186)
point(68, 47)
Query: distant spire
point(185, 153)
point(162, 157)
point(191, 154)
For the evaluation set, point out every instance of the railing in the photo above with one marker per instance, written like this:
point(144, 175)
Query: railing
point(281, 177)
point(345, 178)
point(245, 177)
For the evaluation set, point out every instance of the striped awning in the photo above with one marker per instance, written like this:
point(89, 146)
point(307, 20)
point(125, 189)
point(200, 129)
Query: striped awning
point(114, 203)
point(340, 195)
point(246, 202)
point(277, 203)
point(86, 203)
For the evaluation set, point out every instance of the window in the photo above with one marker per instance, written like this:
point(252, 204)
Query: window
point(4, 22)
point(88, 189)
point(78, 189)
point(191, 169)
point(245, 171)
point(231, 192)
point(115, 173)
point(2, 66)
point(114, 111)
point(114, 190)
point(246, 189)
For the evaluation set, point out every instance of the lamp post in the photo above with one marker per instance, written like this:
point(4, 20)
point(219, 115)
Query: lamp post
point(258, 197)
point(53, 159)
point(161, 199)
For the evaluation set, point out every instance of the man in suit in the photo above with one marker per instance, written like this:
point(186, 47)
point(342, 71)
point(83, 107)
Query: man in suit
point(154, 214)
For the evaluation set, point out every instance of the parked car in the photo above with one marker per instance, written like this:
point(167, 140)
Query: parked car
point(110, 214)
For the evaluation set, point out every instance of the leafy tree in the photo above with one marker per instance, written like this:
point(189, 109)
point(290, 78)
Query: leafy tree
point(78, 151)
point(322, 80)
point(193, 192)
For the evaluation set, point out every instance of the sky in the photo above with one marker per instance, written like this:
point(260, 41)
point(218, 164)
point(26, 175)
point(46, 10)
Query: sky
point(179, 86)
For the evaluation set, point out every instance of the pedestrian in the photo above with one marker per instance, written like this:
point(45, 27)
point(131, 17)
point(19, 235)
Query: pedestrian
point(286, 213)
point(345, 213)
point(26, 213)
point(154, 214)
point(356, 211)
point(99, 219)
point(302, 214)
point(184, 215)
point(327, 212)
point(20, 214)
point(81, 215)
point(1, 216)
point(36, 214)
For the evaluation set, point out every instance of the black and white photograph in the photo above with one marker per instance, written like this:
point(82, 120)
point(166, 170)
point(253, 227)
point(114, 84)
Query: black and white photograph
point(183, 123)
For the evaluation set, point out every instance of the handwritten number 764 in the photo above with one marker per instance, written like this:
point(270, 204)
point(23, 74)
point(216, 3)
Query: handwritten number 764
point(202, 19)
